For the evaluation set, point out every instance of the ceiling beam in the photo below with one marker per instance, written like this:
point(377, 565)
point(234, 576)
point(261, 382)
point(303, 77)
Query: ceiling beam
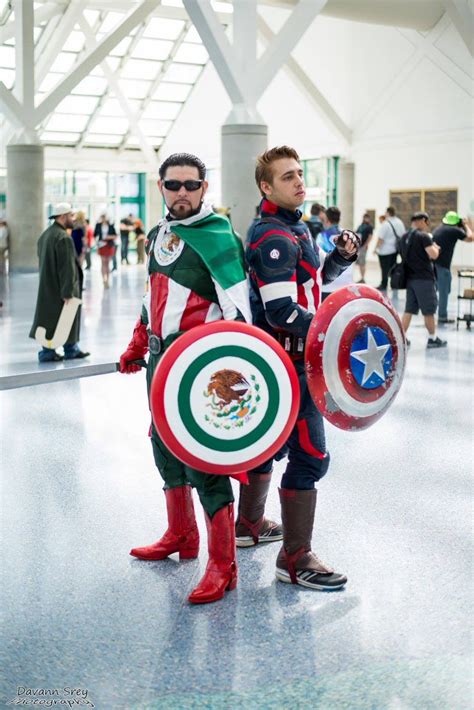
point(24, 88)
point(42, 14)
point(461, 14)
point(299, 76)
point(93, 58)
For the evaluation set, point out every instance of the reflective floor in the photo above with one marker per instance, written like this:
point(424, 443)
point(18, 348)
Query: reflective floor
point(80, 489)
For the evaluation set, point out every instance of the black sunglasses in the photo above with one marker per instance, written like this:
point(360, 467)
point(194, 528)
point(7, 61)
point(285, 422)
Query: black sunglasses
point(189, 185)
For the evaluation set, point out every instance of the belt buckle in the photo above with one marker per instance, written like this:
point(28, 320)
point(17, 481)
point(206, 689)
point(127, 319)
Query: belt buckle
point(154, 344)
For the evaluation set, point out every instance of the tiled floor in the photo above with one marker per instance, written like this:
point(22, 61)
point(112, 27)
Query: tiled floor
point(80, 489)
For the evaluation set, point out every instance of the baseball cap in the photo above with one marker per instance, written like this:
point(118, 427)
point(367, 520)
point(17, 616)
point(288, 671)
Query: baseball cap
point(451, 218)
point(60, 208)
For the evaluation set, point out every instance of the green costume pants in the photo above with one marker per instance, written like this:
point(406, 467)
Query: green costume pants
point(214, 492)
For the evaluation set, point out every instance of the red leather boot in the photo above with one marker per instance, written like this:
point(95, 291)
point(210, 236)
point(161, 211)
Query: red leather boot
point(182, 535)
point(221, 570)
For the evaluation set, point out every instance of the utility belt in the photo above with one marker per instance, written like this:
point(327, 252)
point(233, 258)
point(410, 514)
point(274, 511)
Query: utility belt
point(155, 344)
point(291, 344)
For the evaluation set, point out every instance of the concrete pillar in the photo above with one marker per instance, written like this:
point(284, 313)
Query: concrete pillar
point(241, 143)
point(154, 207)
point(25, 204)
point(346, 180)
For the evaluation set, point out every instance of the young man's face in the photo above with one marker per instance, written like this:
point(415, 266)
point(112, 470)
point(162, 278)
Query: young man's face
point(287, 187)
point(185, 201)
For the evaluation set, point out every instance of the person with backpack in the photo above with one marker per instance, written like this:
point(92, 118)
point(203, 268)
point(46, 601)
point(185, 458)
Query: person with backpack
point(419, 251)
point(388, 236)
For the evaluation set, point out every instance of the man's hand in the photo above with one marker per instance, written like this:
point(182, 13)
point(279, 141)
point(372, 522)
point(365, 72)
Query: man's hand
point(348, 243)
point(128, 367)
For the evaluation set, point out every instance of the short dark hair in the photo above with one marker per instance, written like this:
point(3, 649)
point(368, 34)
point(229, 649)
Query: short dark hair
point(263, 168)
point(316, 208)
point(333, 214)
point(183, 159)
point(420, 215)
point(391, 211)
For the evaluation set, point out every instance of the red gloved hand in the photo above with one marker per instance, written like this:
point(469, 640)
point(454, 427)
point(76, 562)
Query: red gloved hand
point(136, 350)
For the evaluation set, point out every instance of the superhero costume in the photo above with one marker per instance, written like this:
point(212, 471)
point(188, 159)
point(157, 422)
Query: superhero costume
point(286, 275)
point(196, 275)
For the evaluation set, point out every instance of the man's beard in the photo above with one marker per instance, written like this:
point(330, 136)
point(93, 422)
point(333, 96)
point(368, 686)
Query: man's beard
point(185, 211)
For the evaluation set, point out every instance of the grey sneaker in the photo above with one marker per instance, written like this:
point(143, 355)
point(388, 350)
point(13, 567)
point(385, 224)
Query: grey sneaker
point(436, 343)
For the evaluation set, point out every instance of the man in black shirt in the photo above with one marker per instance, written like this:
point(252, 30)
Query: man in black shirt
point(365, 230)
point(418, 252)
point(446, 236)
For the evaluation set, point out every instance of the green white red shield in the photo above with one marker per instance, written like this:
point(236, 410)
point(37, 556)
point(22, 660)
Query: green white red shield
point(224, 397)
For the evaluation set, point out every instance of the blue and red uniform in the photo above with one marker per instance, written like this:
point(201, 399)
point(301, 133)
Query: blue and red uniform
point(286, 276)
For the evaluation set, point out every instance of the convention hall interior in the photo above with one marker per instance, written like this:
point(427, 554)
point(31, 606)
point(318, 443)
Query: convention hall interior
point(376, 97)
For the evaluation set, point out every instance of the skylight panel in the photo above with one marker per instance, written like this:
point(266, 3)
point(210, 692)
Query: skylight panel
point(7, 57)
point(63, 62)
point(182, 73)
point(222, 6)
point(121, 48)
point(161, 28)
point(192, 35)
point(111, 21)
point(91, 86)
point(102, 139)
point(59, 137)
point(134, 89)
point(75, 42)
point(112, 62)
point(171, 92)
point(8, 77)
point(172, 3)
point(158, 49)
point(166, 110)
point(192, 53)
point(66, 122)
point(155, 128)
point(107, 124)
point(111, 107)
point(141, 69)
point(49, 82)
point(91, 16)
point(78, 104)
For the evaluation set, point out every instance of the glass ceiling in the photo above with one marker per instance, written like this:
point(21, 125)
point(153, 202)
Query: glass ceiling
point(156, 67)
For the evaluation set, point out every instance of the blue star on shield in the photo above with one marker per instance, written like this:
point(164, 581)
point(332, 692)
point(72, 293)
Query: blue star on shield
point(371, 357)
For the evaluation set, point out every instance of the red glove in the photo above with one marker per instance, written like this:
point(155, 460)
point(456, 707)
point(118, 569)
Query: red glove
point(136, 350)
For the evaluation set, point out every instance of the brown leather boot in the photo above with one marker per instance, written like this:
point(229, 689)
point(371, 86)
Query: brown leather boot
point(182, 535)
point(221, 570)
point(296, 563)
point(252, 527)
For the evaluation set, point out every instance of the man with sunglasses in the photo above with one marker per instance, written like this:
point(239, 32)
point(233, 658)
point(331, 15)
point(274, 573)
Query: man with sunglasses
point(188, 284)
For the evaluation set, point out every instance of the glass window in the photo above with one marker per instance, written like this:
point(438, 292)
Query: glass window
point(7, 57)
point(129, 185)
point(91, 183)
point(111, 21)
point(134, 88)
point(91, 86)
point(192, 54)
point(111, 107)
point(91, 16)
point(159, 27)
point(122, 47)
point(103, 139)
point(53, 184)
point(115, 126)
point(59, 137)
point(182, 73)
point(158, 49)
point(8, 77)
point(112, 62)
point(141, 69)
point(154, 127)
point(167, 91)
point(75, 42)
point(63, 62)
point(78, 104)
point(314, 173)
point(192, 35)
point(162, 109)
point(49, 82)
point(66, 122)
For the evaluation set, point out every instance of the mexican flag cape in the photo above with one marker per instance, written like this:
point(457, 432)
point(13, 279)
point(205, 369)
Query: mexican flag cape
point(212, 237)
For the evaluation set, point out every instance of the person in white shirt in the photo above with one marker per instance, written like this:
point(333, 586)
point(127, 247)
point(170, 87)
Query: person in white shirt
point(388, 234)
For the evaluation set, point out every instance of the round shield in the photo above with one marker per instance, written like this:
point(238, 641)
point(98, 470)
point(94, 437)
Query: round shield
point(224, 397)
point(355, 356)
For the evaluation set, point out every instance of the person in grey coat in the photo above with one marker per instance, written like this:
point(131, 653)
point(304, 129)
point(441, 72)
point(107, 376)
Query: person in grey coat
point(60, 279)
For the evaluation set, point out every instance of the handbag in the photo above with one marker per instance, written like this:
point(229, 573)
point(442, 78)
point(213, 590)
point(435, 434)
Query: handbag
point(398, 274)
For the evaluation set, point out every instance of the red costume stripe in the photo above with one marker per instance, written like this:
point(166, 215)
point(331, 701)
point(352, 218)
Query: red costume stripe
point(159, 296)
point(195, 312)
point(305, 441)
point(272, 232)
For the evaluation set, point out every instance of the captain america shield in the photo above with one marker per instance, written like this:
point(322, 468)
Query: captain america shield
point(355, 356)
point(224, 397)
